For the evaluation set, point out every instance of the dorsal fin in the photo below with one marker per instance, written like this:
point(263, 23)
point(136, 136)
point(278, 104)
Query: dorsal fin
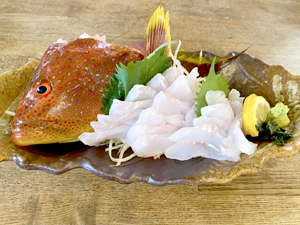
point(158, 31)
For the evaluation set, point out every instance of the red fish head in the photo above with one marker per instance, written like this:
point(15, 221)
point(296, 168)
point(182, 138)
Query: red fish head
point(66, 91)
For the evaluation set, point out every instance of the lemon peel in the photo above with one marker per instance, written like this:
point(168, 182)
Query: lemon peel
point(255, 111)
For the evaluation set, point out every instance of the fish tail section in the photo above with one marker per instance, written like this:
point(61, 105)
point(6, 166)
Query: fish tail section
point(158, 32)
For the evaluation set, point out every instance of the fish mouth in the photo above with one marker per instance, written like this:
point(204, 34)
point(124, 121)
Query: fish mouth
point(21, 141)
point(25, 134)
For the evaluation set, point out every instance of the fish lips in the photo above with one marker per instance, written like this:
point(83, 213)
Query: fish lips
point(24, 134)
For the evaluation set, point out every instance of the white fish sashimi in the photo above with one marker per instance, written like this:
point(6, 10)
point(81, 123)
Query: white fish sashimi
point(192, 79)
point(140, 93)
point(239, 117)
point(211, 152)
point(158, 83)
point(148, 141)
point(168, 105)
point(121, 107)
point(110, 127)
point(189, 117)
point(237, 107)
point(143, 129)
point(170, 74)
point(179, 71)
point(107, 122)
point(181, 90)
point(221, 111)
point(236, 142)
point(97, 138)
point(160, 118)
point(116, 125)
point(216, 97)
point(152, 117)
point(182, 151)
point(187, 150)
point(240, 140)
point(151, 145)
point(176, 119)
point(234, 95)
point(229, 148)
point(214, 120)
point(205, 133)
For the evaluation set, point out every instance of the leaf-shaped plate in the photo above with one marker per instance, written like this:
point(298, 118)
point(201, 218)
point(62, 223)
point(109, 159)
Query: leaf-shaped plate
point(247, 74)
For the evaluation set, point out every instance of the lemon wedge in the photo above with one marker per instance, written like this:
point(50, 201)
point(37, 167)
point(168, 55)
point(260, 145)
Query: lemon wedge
point(255, 111)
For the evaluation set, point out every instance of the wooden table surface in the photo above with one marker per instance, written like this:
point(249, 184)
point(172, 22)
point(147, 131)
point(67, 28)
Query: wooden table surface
point(272, 196)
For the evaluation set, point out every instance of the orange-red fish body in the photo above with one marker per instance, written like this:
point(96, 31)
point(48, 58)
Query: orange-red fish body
point(66, 91)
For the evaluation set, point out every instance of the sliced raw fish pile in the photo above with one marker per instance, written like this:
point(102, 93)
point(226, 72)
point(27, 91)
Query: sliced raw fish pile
point(149, 114)
point(159, 118)
point(217, 134)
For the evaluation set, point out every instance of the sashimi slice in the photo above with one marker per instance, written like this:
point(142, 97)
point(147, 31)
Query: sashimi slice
point(189, 117)
point(235, 95)
point(158, 83)
point(149, 141)
point(240, 141)
point(151, 145)
point(229, 148)
point(170, 74)
point(140, 93)
point(97, 138)
point(237, 107)
point(152, 117)
point(221, 111)
point(116, 125)
point(186, 150)
point(143, 129)
point(181, 90)
point(121, 107)
point(214, 120)
point(107, 122)
point(168, 105)
point(192, 79)
point(182, 150)
point(205, 133)
point(216, 97)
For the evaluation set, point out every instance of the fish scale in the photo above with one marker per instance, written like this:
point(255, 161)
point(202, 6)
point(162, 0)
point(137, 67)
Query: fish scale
point(77, 73)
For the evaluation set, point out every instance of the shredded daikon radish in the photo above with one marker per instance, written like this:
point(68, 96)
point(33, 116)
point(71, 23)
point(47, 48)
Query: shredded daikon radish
point(176, 62)
point(122, 148)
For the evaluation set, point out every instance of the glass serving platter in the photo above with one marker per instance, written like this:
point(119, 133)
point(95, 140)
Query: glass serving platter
point(246, 73)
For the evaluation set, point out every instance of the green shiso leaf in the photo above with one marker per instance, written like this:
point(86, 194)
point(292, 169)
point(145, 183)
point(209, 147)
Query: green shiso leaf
point(140, 72)
point(214, 82)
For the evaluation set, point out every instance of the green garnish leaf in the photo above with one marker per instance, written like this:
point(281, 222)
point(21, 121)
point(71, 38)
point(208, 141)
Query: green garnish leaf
point(270, 131)
point(114, 91)
point(192, 57)
point(140, 72)
point(214, 82)
point(201, 59)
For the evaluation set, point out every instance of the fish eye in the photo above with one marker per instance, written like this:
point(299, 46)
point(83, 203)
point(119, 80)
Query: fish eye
point(44, 88)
